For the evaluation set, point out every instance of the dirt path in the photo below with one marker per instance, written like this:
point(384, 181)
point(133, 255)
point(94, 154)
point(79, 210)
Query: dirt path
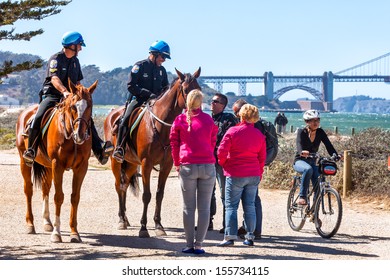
point(364, 233)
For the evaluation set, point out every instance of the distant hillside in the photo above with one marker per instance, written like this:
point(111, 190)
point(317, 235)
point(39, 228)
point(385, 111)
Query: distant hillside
point(362, 104)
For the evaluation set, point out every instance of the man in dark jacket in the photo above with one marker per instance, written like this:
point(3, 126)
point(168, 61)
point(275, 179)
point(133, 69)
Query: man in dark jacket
point(224, 121)
point(147, 80)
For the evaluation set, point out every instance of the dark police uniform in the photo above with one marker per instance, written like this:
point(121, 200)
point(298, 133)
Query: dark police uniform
point(145, 79)
point(62, 67)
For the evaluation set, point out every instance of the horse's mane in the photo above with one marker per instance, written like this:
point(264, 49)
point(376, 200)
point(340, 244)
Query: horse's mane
point(168, 87)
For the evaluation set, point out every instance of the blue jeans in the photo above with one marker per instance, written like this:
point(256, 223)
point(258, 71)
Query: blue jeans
point(237, 188)
point(309, 171)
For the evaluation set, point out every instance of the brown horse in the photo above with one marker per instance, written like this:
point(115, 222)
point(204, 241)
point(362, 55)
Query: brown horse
point(151, 142)
point(66, 144)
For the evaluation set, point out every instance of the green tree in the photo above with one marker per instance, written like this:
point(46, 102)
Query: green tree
point(12, 11)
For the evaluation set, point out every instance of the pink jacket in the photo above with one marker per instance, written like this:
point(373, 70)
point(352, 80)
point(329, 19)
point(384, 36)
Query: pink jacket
point(197, 145)
point(242, 151)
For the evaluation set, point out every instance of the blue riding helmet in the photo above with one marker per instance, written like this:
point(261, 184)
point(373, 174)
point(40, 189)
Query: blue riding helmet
point(72, 38)
point(161, 47)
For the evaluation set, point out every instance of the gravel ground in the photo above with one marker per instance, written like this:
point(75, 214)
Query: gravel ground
point(364, 233)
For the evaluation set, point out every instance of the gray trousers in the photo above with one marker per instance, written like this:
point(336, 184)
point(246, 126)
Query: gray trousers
point(197, 183)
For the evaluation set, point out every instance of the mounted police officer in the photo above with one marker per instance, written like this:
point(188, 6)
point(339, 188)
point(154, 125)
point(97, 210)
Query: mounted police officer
point(62, 66)
point(147, 80)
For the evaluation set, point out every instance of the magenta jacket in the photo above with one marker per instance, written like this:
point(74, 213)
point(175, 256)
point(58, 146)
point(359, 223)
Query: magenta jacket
point(197, 145)
point(242, 151)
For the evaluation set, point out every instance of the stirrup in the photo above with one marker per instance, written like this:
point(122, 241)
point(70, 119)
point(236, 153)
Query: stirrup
point(119, 154)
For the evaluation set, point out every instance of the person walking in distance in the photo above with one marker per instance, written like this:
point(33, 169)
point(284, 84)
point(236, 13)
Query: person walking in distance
point(224, 121)
point(193, 136)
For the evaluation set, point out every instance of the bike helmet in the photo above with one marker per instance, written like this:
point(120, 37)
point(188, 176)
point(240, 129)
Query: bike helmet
point(160, 47)
point(311, 114)
point(72, 38)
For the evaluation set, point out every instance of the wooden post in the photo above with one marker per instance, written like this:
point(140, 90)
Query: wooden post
point(352, 131)
point(336, 130)
point(291, 129)
point(388, 163)
point(347, 180)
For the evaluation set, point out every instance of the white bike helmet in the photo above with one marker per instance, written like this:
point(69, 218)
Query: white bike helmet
point(311, 114)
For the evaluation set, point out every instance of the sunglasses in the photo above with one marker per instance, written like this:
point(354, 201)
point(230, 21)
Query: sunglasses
point(163, 56)
point(216, 101)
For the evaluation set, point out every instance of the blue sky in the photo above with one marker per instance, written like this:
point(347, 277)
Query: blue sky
point(246, 37)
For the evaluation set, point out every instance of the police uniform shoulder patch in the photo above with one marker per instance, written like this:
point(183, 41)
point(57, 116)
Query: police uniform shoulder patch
point(135, 69)
point(53, 65)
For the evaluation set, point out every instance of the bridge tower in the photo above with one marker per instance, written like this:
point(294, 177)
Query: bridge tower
point(269, 85)
point(327, 85)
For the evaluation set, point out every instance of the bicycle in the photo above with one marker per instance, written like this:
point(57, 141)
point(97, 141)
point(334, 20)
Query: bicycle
point(326, 211)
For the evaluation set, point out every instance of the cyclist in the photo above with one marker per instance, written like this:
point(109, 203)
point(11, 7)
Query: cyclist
point(62, 66)
point(148, 78)
point(308, 141)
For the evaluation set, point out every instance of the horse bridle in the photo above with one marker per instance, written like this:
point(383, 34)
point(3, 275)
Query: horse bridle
point(73, 134)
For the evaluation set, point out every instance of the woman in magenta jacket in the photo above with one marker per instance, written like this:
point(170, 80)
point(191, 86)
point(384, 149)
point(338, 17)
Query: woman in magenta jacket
point(193, 137)
point(242, 155)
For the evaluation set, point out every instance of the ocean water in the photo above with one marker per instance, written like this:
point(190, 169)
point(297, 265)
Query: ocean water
point(344, 122)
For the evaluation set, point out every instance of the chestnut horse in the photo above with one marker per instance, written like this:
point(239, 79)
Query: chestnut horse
point(66, 144)
point(150, 139)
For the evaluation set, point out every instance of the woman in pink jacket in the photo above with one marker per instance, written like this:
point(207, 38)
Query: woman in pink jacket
point(242, 155)
point(193, 137)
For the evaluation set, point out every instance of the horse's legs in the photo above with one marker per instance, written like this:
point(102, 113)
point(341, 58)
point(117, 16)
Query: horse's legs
point(58, 200)
point(28, 191)
point(162, 178)
point(46, 185)
point(146, 196)
point(78, 178)
point(121, 189)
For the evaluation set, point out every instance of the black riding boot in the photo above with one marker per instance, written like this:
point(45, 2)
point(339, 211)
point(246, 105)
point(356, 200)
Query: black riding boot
point(33, 142)
point(119, 153)
point(101, 149)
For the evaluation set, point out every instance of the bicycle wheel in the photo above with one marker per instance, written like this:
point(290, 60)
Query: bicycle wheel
point(295, 213)
point(328, 213)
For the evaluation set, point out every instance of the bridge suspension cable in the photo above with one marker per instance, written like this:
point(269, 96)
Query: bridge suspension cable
point(382, 64)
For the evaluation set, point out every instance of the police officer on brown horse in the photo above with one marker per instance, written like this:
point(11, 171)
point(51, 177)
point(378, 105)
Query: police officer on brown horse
point(62, 66)
point(147, 80)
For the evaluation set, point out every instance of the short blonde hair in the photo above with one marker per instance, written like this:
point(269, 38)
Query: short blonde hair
point(194, 101)
point(249, 113)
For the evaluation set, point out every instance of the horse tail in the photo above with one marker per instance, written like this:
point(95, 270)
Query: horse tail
point(39, 172)
point(133, 180)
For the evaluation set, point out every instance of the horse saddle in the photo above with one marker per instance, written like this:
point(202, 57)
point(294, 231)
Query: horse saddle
point(46, 120)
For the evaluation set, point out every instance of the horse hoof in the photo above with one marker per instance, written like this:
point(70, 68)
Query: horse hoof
point(31, 230)
point(48, 227)
point(122, 225)
point(55, 238)
point(160, 232)
point(75, 238)
point(143, 234)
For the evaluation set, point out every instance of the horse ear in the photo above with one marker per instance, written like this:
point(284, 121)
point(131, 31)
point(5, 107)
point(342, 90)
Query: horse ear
point(72, 86)
point(197, 73)
point(181, 76)
point(92, 88)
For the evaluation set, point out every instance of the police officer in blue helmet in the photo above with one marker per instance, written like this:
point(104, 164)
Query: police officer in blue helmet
point(147, 80)
point(62, 66)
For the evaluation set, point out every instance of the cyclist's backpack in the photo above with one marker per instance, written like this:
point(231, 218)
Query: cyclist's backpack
point(269, 131)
